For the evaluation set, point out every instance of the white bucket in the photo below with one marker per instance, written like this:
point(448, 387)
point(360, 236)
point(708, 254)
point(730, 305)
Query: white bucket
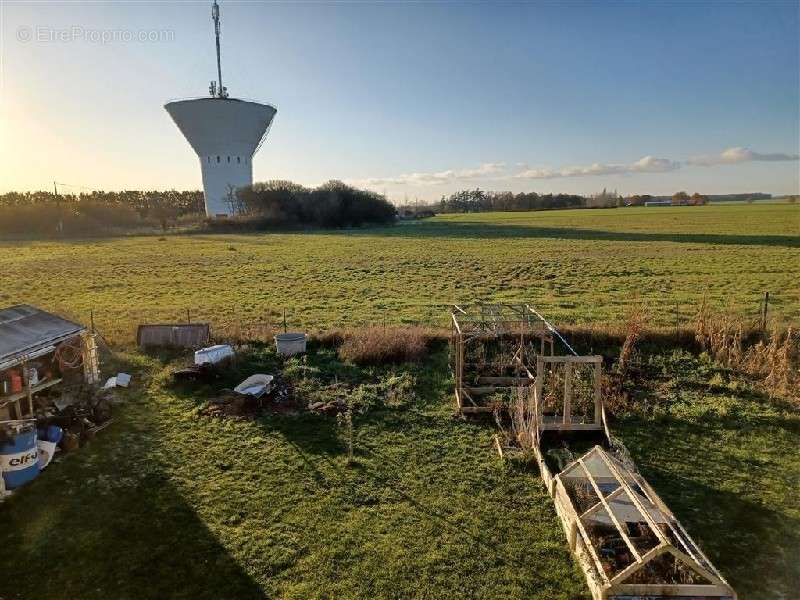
point(289, 344)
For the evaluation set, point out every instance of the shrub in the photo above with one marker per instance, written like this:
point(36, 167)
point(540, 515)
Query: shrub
point(331, 205)
point(379, 345)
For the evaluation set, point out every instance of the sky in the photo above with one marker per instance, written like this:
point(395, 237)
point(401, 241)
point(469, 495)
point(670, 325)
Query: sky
point(414, 100)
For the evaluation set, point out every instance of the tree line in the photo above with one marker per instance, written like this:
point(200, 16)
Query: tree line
point(481, 201)
point(143, 202)
point(47, 214)
point(268, 205)
point(477, 200)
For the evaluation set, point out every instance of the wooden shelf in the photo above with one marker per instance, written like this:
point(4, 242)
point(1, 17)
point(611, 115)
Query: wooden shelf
point(6, 400)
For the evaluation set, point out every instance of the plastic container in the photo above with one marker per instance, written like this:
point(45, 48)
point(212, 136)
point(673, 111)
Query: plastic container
point(19, 454)
point(16, 382)
point(289, 344)
point(213, 354)
point(256, 385)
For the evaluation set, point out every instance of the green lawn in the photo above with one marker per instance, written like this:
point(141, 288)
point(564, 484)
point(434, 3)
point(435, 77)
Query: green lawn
point(727, 462)
point(576, 265)
point(167, 503)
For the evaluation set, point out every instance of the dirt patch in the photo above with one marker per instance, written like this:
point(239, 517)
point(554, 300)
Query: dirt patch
point(280, 400)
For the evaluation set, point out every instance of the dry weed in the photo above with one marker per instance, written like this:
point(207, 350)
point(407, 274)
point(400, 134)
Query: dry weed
point(773, 360)
point(381, 345)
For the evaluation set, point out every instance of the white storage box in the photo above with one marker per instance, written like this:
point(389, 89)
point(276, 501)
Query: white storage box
point(213, 354)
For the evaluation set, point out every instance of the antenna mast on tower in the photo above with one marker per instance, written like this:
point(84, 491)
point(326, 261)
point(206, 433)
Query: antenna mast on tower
point(216, 88)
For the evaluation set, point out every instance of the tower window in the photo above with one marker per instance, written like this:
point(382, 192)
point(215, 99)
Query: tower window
point(229, 159)
point(238, 159)
point(217, 157)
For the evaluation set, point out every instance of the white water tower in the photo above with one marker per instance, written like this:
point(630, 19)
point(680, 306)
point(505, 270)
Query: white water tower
point(225, 133)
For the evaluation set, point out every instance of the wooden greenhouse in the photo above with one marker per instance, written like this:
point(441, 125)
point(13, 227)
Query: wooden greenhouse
point(628, 542)
point(493, 346)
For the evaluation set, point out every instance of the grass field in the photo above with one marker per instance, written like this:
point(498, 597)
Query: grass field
point(167, 502)
point(577, 265)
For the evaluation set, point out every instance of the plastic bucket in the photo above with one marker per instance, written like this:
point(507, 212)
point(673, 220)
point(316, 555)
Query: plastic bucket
point(19, 453)
point(289, 344)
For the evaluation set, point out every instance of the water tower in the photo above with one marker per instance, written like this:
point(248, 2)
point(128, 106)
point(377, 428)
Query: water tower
point(225, 133)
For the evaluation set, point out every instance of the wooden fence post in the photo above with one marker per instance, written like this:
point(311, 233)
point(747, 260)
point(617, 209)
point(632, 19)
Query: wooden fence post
point(764, 312)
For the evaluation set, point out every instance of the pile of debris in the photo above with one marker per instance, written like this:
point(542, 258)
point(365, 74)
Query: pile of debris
point(276, 397)
point(257, 393)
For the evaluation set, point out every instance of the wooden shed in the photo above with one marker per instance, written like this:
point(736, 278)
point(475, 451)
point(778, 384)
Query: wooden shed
point(40, 350)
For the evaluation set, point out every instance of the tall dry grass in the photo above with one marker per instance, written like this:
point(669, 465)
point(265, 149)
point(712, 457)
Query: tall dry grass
point(380, 345)
point(773, 360)
point(613, 382)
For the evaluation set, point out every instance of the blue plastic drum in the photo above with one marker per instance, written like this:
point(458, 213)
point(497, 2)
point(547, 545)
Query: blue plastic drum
point(19, 455)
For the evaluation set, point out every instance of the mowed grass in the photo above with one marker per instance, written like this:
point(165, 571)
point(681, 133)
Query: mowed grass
point(170, 504)
point(577, 266)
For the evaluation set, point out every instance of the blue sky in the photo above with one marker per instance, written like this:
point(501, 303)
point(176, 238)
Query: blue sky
point(416, 100)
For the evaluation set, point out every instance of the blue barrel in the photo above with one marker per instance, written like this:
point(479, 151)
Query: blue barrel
point(19, 455)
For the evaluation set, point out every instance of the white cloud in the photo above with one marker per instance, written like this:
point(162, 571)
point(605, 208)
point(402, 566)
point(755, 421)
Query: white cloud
point(499, 170)
point(647, 164)
point(484, 171)
point(739, 154)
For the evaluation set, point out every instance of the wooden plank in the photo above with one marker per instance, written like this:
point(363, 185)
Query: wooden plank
point(598, 391)
point(506, 381)
point(539, 385)
point(568, 358)
point(456, 325)
point(34, 389)
point(570, 427)
point(466, 395)
point(497, 445)
point(685, 590)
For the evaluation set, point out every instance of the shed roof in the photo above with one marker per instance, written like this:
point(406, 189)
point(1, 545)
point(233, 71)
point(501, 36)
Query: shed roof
point(25, 329)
